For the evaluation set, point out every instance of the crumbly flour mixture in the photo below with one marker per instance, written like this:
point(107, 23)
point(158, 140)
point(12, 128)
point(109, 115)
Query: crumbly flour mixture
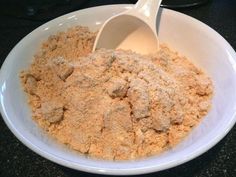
point(114, 104)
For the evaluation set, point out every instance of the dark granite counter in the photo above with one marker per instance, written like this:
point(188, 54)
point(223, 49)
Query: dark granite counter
point(17, 160)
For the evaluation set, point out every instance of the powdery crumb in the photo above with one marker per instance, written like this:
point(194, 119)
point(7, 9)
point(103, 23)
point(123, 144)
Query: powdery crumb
point(160, 122)
point(117, 117)
point(52, 111)
point(62, 68)
point(30, 83)
point(114, 104)
point(139, 98)
point(117, 87)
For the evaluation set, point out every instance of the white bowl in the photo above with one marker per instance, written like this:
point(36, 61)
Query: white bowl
point(190, 37)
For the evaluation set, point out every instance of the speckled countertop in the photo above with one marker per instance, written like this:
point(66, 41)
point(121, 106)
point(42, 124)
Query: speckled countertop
point(16, 160)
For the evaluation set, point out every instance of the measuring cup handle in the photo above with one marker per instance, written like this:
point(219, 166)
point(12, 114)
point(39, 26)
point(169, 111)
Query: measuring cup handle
point(148, 10)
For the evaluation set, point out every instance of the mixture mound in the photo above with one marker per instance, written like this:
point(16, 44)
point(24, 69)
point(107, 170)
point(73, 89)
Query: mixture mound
point(114, 104)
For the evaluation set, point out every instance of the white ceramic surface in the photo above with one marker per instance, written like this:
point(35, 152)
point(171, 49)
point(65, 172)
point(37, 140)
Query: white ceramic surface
point(197, 41)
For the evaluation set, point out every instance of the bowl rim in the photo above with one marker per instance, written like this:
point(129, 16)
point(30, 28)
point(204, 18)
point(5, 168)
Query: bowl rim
point(112, 171)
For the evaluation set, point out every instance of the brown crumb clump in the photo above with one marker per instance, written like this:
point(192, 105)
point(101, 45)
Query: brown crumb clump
point(114, 104)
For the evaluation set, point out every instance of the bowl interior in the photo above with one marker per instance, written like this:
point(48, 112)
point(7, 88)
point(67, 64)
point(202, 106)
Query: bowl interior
point(206, 48)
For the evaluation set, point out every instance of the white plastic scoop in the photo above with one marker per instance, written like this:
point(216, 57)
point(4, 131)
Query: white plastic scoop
point(134, 29)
